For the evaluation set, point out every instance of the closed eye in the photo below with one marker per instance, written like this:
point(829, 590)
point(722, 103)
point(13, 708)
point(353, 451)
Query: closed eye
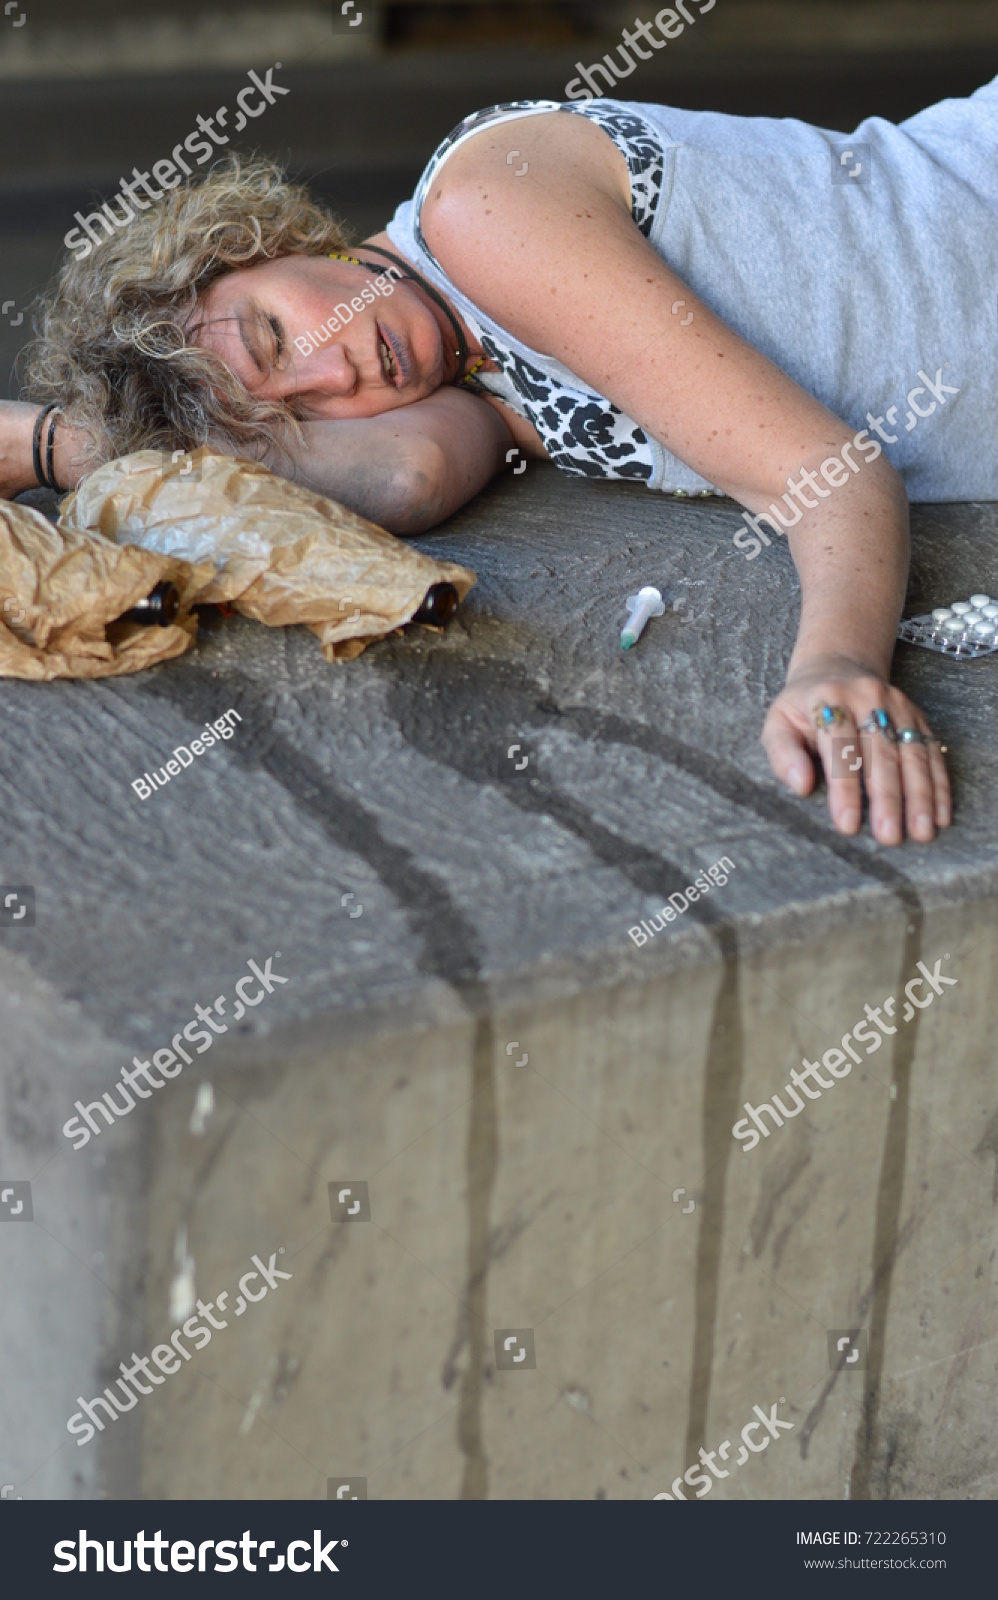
point(265, 353)
point(277, 329)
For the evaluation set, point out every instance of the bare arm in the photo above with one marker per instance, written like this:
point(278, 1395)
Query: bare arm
point(556, 258)
point(407, 469)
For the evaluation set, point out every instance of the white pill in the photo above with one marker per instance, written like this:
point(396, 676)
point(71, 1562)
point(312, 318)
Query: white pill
point(953, 625)
point(991, 610)
point(941, 613)
point(984, 630)
point(960, 607)
point(980, 600)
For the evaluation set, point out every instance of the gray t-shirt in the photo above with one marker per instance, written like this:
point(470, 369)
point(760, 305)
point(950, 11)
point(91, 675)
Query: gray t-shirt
point(864, 265)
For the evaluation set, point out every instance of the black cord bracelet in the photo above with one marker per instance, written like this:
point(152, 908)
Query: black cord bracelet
point(36, 445)
point(49, 452)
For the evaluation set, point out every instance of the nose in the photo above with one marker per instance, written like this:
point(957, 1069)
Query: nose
point(327, 367)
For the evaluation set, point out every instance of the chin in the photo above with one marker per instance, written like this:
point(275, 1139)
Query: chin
point(393, 402)
point(435, 378)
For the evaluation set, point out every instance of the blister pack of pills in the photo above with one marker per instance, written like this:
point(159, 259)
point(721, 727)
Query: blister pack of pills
point(964, 630)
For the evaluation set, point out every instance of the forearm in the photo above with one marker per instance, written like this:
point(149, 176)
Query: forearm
point(851, 554)
point(72, 458)
point(407, 469)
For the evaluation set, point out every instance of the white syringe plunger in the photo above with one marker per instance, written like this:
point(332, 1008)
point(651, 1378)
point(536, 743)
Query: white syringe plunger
point(646, 603)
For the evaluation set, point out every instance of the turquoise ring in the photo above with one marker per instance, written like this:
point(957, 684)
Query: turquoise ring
point(827, 717)
point(879, 722)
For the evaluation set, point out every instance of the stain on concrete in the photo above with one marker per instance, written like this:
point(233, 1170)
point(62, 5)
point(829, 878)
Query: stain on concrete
point(482, 1165)
point(502, 1238)
point(778, 1178)
point(28, 1114)
point(890, 1190)
point(863, 1304)
point(988, 1145)
point(450, 946)
point(970, 1340)
point(894, 1462)
point(721, 1095)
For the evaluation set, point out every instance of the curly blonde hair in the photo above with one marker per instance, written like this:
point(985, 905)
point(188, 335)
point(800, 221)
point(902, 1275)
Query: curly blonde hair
point(109, 342)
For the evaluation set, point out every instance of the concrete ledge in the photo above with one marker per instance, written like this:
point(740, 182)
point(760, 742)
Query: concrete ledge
point(495, 908)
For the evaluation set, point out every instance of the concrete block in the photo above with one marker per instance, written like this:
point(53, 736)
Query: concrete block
point(541, 1110)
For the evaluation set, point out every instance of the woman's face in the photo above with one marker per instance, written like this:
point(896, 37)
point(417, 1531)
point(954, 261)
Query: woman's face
point(391, 353)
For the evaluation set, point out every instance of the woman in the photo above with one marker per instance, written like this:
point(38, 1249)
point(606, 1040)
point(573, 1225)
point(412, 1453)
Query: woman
point(699, 302)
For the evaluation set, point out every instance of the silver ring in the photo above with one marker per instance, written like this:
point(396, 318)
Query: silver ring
point(911, 736)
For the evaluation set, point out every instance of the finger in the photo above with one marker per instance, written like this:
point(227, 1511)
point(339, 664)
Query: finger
point(789, 755)
point(942, 797)
point(882, 775)
point(842, 759)
point(940, 786)
point(923, 774)
point(916, 783)
point(933, 765)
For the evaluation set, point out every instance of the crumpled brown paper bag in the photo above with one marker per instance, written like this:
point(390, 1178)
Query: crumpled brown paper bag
point(280, 553)
point(60, 590)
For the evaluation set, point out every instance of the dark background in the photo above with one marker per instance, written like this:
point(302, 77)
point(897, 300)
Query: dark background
point(91, 88)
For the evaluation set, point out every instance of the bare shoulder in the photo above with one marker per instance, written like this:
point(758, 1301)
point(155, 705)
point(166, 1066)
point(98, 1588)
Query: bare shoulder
point(555, 257)
point(508, 177)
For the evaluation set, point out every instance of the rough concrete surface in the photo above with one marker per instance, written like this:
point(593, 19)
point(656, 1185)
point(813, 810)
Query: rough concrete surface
point(505, 1193)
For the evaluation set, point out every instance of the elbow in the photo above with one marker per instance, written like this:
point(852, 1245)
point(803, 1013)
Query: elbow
point(415, 497)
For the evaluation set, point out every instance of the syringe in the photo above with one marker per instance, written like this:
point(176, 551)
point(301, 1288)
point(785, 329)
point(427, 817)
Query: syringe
point(646, 603)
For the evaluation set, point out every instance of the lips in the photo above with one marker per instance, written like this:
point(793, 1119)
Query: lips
point(392, 358)
point(389, 369)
